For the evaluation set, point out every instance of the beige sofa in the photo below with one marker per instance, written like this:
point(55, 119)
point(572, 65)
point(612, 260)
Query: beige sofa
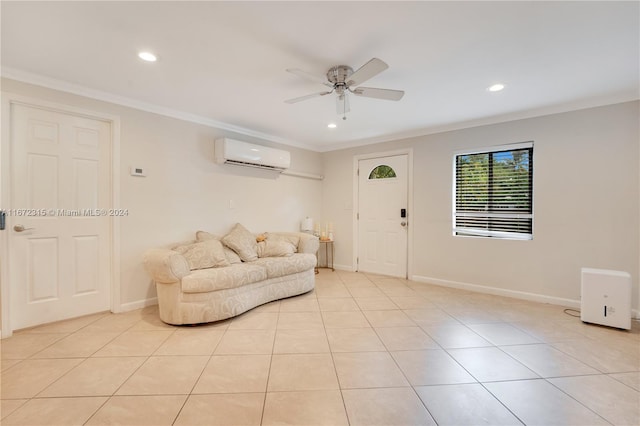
point(191, 296)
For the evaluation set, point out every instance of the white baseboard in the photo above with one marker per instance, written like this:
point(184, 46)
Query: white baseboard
point(344, 267)
point(533, 297)
point(138, 304)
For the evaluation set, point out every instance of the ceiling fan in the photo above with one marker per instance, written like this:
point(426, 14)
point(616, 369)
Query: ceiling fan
point(342, 80)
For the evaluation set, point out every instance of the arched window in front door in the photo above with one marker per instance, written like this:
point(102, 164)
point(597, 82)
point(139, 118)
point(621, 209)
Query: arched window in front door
point(382, 172)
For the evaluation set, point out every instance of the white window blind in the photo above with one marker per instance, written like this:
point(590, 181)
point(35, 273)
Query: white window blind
point(494, 193)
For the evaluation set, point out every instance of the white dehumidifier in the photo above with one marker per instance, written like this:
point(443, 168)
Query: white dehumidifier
point(606, 298)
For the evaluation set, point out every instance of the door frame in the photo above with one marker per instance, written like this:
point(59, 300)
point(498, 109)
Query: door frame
point(7, 100)
point(356, 203)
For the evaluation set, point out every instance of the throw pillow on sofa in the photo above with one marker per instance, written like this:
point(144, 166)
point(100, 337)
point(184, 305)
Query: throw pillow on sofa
point(290, 238)
point(275, 248)
point(205, 254)
point(243, 242)
point(232, 256)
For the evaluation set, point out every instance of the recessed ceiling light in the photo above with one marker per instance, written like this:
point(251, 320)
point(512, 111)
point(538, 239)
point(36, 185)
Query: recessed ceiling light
point(332, 125)
point(147, 56)
point(496, 87)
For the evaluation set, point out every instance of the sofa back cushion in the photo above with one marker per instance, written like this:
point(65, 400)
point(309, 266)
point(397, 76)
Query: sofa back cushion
point(275, 248)
point(204, 254)
point(232, 256)
point(243, 242)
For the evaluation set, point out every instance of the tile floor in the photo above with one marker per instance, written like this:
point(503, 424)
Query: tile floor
point(361, 350)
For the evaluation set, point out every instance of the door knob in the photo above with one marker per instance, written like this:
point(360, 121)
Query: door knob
point(20, 228)
point(403, 223)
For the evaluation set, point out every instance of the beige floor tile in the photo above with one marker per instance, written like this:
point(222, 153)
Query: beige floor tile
point(430, 316)
point(300, 341)
point(113, 322)
point(491, 364)
point(8, 363)
point(165, 375)
point(68, 326)
point(77, 345)
point(331, 289)
point(234, 373)
point(395, 318)
point(431, 367)
point(503, 334)
point(405, 338)
point(156, 410)
point(366, 292)
point(353, 319)
point(246, 342)
point(24, 345)
point(465, 404)
point(474, 316)
point(548, 331)
point(547, 361)
point(375, 303)
point(400, 291)
point(151, 323)
point(616, 402)
point(191, 341)
point(55, 411)
point(304, 408)
point(385, 407)
point(255, 321)
point(334, 304)
point(8, 406)
point(354, 340)
point(134, 343)
point(30, 377)
point(302, 372)
point(300, 320)
point(605, 358)
point(537, 402)
point(368, 370)
point(94, 377)
point(299, 304)
point(454, 336)
point(414, 301)
point(359, 283)
point(630, 379)
point(222, 410)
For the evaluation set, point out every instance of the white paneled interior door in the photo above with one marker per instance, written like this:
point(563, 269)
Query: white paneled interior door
point(59, 265)
point(382, 232)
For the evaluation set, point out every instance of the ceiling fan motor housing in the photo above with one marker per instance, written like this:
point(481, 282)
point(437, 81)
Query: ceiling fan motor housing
point(338, 76)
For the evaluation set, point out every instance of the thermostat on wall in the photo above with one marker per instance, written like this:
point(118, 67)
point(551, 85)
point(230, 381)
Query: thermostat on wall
point(137, 171)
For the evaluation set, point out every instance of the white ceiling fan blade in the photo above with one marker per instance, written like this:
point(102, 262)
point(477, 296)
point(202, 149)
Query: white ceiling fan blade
point(304, 98)
point(372, 68)
point(342, 104)
point(372, 92)
point(311, 77)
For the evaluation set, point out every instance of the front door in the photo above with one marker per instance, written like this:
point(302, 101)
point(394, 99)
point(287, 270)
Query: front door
point(382, 231)
point(58, 224)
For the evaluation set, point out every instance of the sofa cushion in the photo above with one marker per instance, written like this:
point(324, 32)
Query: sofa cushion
point(232, 256)
point(275, 248)
point(205, 254)
point(281, 266)
point(291, 237)
point(232, 276)
point(243, 242)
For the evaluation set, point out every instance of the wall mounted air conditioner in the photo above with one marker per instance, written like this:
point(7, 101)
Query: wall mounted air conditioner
point(230, 151)
point(606, 298)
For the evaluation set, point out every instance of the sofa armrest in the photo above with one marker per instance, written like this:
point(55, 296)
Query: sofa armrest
point(308, 243)
point(165, 266)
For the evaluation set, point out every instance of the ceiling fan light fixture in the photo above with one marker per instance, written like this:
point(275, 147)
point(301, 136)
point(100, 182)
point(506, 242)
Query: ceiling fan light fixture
point(147, 56)
point(495, 87)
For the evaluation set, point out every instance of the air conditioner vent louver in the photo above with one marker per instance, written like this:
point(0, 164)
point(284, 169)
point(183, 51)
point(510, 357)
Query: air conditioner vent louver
point(229, 151)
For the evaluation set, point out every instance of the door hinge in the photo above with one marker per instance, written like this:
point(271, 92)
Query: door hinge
point(357, 216)
point(358, 172)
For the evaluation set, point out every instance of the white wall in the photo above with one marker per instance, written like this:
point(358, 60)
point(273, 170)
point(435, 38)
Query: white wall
point(586, 203)
point(184, 190)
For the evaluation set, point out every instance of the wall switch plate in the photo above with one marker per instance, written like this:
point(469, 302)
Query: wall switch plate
point(137, 171)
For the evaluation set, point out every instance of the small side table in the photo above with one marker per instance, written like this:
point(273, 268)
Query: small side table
point(329, 253)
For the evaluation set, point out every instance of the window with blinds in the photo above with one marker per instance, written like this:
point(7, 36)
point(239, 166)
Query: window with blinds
point(494, 192)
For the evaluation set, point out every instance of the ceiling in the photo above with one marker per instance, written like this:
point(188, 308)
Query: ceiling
point(223, 63)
